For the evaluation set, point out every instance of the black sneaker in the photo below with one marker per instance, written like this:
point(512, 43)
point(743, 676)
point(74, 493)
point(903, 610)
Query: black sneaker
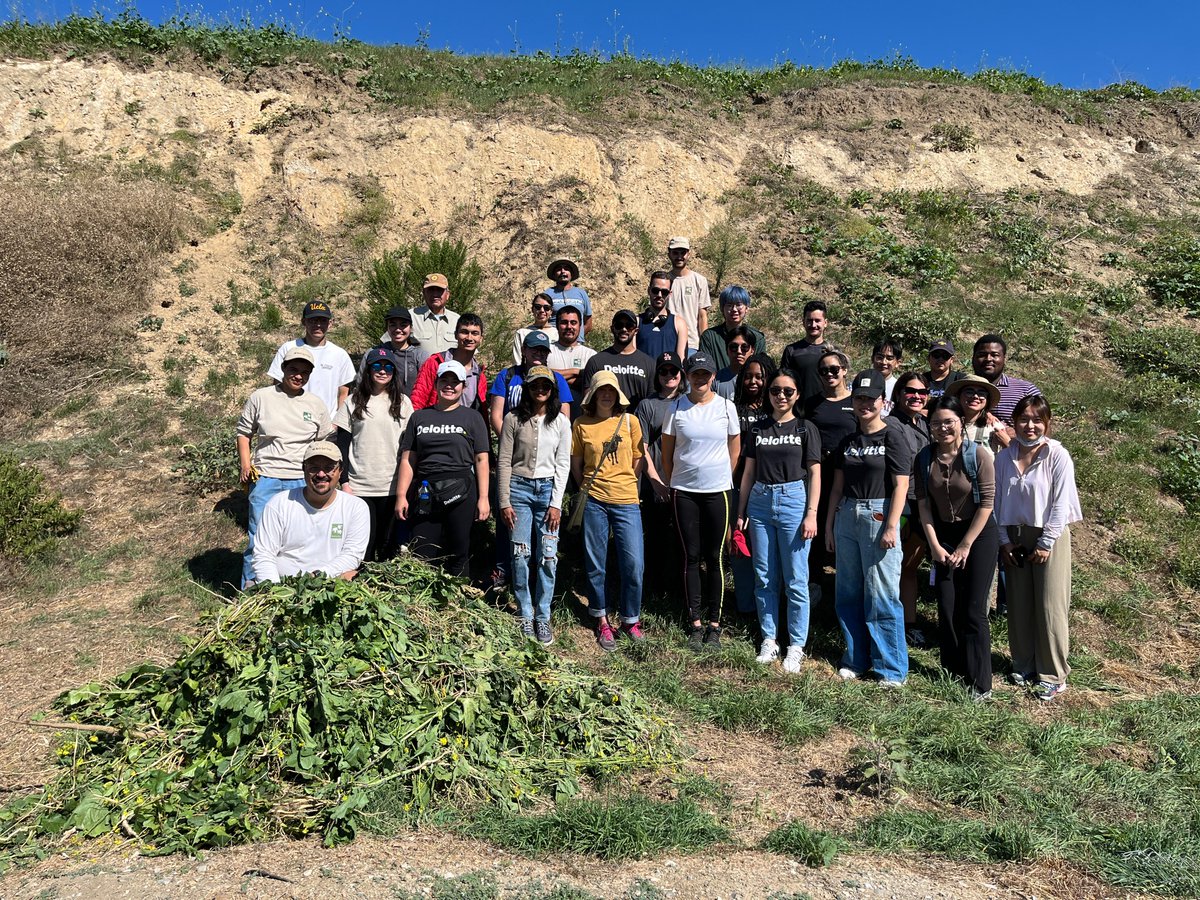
point(541, 630)
point(527, 628)
point(696, 638)
point(712, 638)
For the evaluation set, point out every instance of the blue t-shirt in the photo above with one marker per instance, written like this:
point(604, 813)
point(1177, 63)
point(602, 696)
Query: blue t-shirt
point(572, 296)
point(508, 384)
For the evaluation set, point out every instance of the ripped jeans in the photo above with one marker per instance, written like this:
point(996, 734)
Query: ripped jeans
point(531, 540)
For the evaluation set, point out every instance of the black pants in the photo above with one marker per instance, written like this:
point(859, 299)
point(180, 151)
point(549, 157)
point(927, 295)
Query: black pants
point(444, 534)
point(663, 562)
point(383, 540)
point(963, 599)
point(702, 521)
point(818, 556)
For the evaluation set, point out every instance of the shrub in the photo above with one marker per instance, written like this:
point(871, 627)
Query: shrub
point(1173, 275)
point(955, 138)
point(1179, 471)
point(30, 521)
point(210, 464)
point(723, 248)
point(813, 848)
point(877, 313)
point(396, 278)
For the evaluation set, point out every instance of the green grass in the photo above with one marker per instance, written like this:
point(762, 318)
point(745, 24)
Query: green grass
point(813, 847)
point(626, 828)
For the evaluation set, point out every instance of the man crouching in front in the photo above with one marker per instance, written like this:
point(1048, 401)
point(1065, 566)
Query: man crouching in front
point(315, 528)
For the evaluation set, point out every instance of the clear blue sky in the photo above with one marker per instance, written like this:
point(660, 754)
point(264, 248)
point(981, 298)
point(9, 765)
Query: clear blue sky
point(1076, 44)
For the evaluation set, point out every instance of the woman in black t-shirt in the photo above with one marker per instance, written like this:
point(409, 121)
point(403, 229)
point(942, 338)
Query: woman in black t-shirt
point(778, 506)
point(442, 481)
point(833, 415)
point(872, 469)
point(750, 401)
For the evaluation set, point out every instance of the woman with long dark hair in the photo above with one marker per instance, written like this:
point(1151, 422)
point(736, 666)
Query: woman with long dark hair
point(833, 414)
point(533, 462)
point(778, 505)
point(956, 491)
point(370, 424)
point(753, 408)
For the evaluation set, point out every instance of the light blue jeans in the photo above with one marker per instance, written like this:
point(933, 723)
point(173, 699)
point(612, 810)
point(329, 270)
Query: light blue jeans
point(868, 591)
point(624, 521)
point(264, 489)
point(776, 513)
point(533, 543)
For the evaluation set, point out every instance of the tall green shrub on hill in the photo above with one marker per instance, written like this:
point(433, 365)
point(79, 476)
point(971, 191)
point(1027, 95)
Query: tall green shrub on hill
point(396, 277)
point(30, 520)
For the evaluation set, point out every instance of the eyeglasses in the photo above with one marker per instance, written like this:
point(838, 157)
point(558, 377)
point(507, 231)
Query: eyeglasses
point(542, 307)
point(947, 425)
point(660, 292)
point(916, 392)
point(830, 370)
point(382, 367)
point(740, 348)
point(741, 303)
point(886, 357)
point(321, 468)
point(783, 392)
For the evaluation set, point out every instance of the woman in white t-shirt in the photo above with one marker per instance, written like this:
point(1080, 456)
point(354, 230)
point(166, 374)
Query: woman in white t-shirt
point(369, 426)
point(701, 442)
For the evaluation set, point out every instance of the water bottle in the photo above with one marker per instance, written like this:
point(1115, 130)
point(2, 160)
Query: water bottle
point(424, 499)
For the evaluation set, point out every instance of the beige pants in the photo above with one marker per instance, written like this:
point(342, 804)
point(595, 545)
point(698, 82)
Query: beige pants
point(1039, 599)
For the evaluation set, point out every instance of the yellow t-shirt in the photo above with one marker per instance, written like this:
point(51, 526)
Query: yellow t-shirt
point(616, 482)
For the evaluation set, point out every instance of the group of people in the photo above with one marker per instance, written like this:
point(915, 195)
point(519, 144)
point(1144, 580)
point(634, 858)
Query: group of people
point(688, 444)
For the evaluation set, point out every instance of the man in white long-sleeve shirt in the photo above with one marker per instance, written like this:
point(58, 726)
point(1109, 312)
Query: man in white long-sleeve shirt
point(315, 528)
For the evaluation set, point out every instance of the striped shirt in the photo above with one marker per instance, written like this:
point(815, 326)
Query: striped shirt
point(1012, 391)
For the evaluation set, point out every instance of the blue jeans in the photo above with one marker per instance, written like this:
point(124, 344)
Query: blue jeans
point(624, 520)
point(868, 591)
point(776, 513)
point(531, 540)
point(264, 489)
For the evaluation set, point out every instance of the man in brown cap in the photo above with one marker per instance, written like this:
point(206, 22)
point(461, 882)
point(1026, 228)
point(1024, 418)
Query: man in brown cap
point(433, 325)
point(563, 272)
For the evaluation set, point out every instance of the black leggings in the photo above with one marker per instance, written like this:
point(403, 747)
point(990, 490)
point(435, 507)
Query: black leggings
point(702, 520)
point(963, 596)
point(382, 543)
point(444, 534)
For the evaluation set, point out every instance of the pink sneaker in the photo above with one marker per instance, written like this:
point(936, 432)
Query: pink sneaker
point(605, 636)
point(633, 631)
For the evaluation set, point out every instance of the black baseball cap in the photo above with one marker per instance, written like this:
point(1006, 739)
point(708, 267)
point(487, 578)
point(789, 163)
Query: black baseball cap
point(943, 345)
point(669, 358)
point(625, 314)
point(318, 309)
point(700, 362)
point(398, 312)
point(868, 383)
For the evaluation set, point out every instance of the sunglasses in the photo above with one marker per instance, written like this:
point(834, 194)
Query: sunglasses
point(740, 348)
point(624, 326)
point(542, 307)
point(973, 392)
point(660, 292)
point(783, 392)
point(916, 392)
point(382, 367)
point(540, 385)
point(830, 370)
point(669, 372)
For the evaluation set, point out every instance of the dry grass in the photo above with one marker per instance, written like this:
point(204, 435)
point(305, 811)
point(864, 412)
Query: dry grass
point(77, 258)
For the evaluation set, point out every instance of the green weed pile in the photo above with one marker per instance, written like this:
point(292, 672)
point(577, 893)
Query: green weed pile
point(309, 702)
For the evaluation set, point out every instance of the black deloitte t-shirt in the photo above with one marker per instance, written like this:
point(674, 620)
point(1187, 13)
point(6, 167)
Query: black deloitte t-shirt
point(444, 441)
point(834, 420)
point(868, 462)
point(634, 372)
point(783, 451)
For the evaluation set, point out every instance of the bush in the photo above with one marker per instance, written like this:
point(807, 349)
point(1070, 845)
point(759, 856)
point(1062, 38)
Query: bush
point(955, 138)
point(1173, 275)
point(396, 278)
point(813, 848)
point(210, 464)
point(1179, 471)
point(878, 313)
point(30, 521)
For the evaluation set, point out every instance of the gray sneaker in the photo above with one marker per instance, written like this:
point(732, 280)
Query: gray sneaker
point(527, 627)
point(542, 632)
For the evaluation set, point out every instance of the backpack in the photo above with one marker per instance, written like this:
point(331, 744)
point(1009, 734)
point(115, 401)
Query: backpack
point(970, 458)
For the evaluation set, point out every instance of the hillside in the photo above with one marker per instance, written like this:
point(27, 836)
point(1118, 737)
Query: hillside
point(167, 211)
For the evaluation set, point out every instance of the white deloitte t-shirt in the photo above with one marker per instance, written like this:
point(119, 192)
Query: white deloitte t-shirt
point(333, 370)
point(702, 435)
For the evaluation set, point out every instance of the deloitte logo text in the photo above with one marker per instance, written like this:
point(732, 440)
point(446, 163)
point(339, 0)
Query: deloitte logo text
point(440, 429)
point(625, 370)
point(777, 440)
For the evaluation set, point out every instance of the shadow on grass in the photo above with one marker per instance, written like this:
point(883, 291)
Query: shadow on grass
point(218, 569)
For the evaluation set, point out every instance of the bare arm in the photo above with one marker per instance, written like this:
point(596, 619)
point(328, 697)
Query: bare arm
point(808, 530)
point(343, 393)
point(244, 464)
point(404, 477)
point(748, 476)
point(891, 527)
point(496, 414)
point(668, 457)
point(835, 500)
point(681, 330)
point(483, 509)
point(735, 450)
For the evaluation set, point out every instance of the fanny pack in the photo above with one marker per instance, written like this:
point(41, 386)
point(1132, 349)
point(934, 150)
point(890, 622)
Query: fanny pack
point(450, 490)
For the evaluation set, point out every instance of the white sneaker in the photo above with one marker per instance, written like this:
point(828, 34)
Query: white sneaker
point(847, 674)
point(769, 652)
point(791, 662)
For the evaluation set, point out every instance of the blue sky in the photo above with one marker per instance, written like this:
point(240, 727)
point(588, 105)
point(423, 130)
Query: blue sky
point(1083, 45)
